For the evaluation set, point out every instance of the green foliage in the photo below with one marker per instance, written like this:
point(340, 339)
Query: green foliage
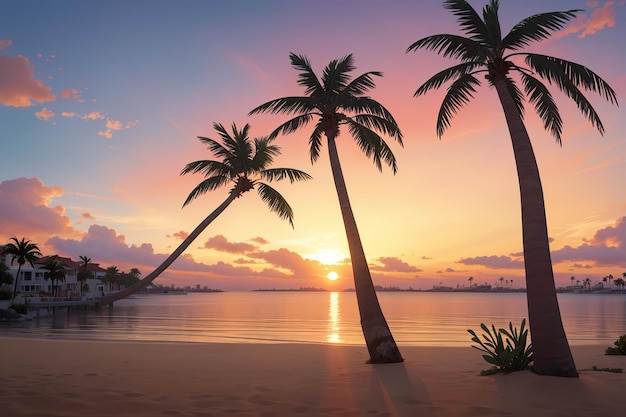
point(507, 350)
point(5, 275)
point(19, 308)
point(620, 347)
point(5, 295)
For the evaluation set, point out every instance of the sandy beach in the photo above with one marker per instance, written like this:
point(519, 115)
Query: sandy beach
point(44, 378)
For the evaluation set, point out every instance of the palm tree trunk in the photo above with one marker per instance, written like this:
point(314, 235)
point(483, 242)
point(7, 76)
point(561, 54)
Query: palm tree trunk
point(378, 338)
point(552, 354)
point(17, 278)
point(138, 286)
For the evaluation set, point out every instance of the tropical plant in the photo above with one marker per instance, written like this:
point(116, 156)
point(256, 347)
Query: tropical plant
point(619, 283)
point(55, 272)
point(5, 276)
point(23, 251)
point(333, 101)
point(241, 162)
point(84, 274)
point(620, 347)
point(511, 353)
point(485, 50)
point(110, 276)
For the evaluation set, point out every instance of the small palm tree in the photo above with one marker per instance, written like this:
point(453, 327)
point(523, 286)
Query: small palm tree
point(55, 272)
point(336, 101)
point(84, 274)
point(23, 251)
point(110, 276)
point(241, 162)
point(487, 51)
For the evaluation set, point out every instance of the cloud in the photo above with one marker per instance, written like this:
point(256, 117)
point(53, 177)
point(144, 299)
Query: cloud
point(115, 125)
point(5, 43)
point(45, 114)
point(291, 261)
point(182, 235)
point(493, 261)
point(260, 240)
point(87, 216)
point(25, 204)
point(17, 86)
point(220, 243)
point(392, 264)
point(600, 18)
point(72, 93)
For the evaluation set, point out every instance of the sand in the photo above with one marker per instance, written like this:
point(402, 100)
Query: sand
point(41, 378)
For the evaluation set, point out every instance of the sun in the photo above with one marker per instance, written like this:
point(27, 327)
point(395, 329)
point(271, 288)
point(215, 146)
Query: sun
point(332, 275)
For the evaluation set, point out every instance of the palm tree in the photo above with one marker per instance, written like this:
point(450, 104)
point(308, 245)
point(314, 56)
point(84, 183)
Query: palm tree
point(619, 282)
point(485, 50)
point(471, 280)
point(23, 251)
point(84, 274)
point(336, 101)
point(110, 276)
point(55, 272)
point(245, 164)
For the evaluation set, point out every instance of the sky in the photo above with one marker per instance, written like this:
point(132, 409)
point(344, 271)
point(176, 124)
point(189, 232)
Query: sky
point(101, 104)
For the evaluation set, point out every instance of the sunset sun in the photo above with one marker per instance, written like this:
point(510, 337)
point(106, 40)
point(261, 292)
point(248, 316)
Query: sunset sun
point(332, 275)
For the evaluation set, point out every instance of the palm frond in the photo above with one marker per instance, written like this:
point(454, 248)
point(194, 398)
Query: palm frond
point(579, 75)
point(315, 143)
point(360, 85)
point(373, 145)
point(335, 76)
point(306, 77)
point(276, 202)
point(546, 108)
point(537, 28)
point(492, 23)
point(468, 19)
point(459, 93)
point(209, 184)
point(452, 46)
point(292, 125)
point(207, 168)
point(264, 154)
point(380, 124)
point(277, 174)
point(442, 77)
point(516, 95)
point(287, 105)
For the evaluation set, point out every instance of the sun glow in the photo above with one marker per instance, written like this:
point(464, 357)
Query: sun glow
point(332, 275)
point(327, 257)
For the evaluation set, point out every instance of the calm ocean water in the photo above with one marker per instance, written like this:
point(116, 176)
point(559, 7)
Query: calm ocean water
point(415, 318)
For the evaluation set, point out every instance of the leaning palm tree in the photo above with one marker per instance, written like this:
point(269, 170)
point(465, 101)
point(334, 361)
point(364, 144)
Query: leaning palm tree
point(485, 50)
point(23, 251)
point(241, 162)
point(336, 101)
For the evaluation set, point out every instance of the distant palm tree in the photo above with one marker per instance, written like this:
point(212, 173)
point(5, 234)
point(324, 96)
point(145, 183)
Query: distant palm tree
point(572, 278)
point(245, 164)
point(501, 279)
point(335, 101)
point(84, 274)
point(471, 280)
point(23, 251)
point(619, 282)
point(587, 283)
point(110, 276)
point(485, 50)
point(610, 278)
point(55, 273)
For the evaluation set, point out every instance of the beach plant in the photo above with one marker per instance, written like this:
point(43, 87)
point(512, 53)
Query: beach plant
point(55, 272)
point(19, 308)
point(485, 51)
point(245, 164)
point(334, 101)
point(508, 350)
point(619, 347)
point(22, 251)
point(84, 273)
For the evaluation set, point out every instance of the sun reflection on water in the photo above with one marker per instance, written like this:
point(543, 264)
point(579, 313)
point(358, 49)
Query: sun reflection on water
point(333, 319)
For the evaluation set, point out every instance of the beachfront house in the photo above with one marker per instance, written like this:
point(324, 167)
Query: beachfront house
point(33, 284)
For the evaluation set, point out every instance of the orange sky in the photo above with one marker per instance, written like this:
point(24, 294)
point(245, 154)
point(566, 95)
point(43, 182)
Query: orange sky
point(100, 111)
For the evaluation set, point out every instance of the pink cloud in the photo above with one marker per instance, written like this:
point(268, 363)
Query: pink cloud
point(182, 235)
point(71, 93)
point(25, 204)
point(601, 18)
point(44, 114)
point(87, 216)
point(17, 86)
point(5, 43)
point(392, 264)
point(94, 115)
point(106, 133)
point(69, 114)
point(220, 243)
point(493, 261)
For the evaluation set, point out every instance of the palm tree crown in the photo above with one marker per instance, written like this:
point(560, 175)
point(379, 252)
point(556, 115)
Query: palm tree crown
point(245, 164)
point(335, 100)
point(486, 51)
point(21, 251)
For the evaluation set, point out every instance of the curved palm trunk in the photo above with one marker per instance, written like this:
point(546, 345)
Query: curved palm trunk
point(138, 286)
point(552, 354)
point(17, 278)
point(378, 338)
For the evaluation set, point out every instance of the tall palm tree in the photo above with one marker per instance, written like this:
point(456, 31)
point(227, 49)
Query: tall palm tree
point(241, 162)
point(55, 273)
point(485, 50)
point(23, 251)
point(333, 101)
point(84, 274)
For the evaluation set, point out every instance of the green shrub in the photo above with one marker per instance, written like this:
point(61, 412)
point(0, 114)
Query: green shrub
point(19, 308)
point(508, 354)
point(5, 295)
point(620, 347)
